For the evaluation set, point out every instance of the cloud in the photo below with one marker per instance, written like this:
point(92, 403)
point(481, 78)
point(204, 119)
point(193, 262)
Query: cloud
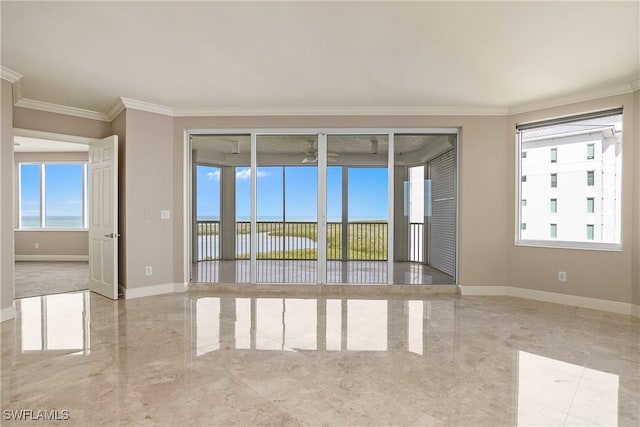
point(213, 175)
point(246, 173)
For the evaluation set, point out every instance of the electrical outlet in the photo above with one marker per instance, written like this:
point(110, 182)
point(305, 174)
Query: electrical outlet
point(148, 270)
point(562, 276)
point(37, 245)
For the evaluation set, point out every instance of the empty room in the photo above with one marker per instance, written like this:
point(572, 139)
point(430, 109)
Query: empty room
point(320, 213)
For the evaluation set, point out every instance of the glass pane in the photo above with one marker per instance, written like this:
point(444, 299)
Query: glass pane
point(287, 207)
point(334, 213)
point(208, 212)
point(589, 160)
point(221, 226)
point(63, 183)
point(30, 196)
point(357, 229)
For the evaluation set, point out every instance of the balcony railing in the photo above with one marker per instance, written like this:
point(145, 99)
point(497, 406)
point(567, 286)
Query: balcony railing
point(279, 240)
point(416, 238)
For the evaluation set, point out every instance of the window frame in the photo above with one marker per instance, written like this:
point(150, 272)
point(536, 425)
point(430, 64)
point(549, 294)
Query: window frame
point(554, 243)
point(43, 190)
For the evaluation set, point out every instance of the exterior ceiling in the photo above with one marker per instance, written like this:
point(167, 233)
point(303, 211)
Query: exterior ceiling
point(323, 55)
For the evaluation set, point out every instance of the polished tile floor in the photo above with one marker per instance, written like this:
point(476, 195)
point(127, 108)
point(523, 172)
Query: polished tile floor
point(299, 271)
point(201, 358)
point(34, 278)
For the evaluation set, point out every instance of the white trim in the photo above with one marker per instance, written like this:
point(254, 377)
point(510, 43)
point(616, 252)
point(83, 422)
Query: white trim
point(60, 109)
point(147, 291)
point(7, 313)
point(147, 106)
point(115, 109)
point(553, 297)
point(122, 103)
point(9, 75)
point(339, 111)
point(52, 258)
point(561, 244)
point(37, 134)
point(620, 89)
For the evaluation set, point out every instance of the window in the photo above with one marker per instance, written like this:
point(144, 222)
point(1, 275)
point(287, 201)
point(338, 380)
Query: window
point(52, 195)
point(596, 135)
point(524, 202)
point(590, 229)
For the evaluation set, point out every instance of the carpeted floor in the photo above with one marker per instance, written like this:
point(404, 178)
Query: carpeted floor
point(42, 278)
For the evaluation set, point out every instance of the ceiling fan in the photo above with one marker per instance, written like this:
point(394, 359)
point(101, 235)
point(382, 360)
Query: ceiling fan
point(312, 155)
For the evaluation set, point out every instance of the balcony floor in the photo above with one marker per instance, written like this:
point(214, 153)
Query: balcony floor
point(301, 271)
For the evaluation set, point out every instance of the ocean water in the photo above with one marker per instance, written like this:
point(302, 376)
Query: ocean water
point(53, 222)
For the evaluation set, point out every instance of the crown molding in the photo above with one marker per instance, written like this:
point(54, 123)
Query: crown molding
point(620, 89)
point(340, 111)
point(149, 107)
point(635, 85)
point(9, 75)
point(61, 109)
point(117, 108)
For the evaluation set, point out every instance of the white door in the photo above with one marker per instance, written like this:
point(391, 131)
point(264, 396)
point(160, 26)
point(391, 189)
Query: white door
point(103, 217)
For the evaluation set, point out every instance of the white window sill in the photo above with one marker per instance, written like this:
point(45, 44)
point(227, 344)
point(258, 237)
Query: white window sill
point(29, 230)
point(555, 244)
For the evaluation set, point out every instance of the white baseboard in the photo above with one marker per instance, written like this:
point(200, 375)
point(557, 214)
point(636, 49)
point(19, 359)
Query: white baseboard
point(52, 258)
point(147, 291)
point(573, 300)
point(7, 313)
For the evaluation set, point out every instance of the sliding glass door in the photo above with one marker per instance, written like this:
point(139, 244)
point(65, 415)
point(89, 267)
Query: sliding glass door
point(287, 209)
point(312, 207)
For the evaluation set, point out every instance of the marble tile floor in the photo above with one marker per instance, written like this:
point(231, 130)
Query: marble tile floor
point(300, 271)
point(34, 278)
point(204, 359)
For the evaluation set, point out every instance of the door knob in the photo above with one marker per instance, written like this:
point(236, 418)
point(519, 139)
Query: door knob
point(112, 235)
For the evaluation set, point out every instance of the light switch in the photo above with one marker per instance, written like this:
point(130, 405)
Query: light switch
point(165, 214)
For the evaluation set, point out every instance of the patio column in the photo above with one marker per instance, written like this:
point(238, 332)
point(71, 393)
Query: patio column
point(401, 218)
point(345, 213)
point(228, 214)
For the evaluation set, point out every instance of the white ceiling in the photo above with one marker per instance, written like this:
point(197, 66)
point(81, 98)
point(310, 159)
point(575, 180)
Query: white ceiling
point(319, 55)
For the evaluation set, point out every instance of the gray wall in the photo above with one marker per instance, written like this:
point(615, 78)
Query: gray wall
point(597, 274)
point(153, 179)
point(149, 189)
point(6, 196)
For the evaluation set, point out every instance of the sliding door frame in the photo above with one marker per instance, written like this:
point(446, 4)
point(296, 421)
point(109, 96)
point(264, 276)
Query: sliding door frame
point(322, 134)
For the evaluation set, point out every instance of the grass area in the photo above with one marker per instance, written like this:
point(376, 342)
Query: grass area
point(367, 241)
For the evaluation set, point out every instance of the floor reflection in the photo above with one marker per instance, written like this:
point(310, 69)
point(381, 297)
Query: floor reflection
point(201, 358)
point(556, 393)
point(291, 324)
point(57, 322)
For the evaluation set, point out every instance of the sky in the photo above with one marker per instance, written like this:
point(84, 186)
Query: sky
point(63, 190)
point(367, 193)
